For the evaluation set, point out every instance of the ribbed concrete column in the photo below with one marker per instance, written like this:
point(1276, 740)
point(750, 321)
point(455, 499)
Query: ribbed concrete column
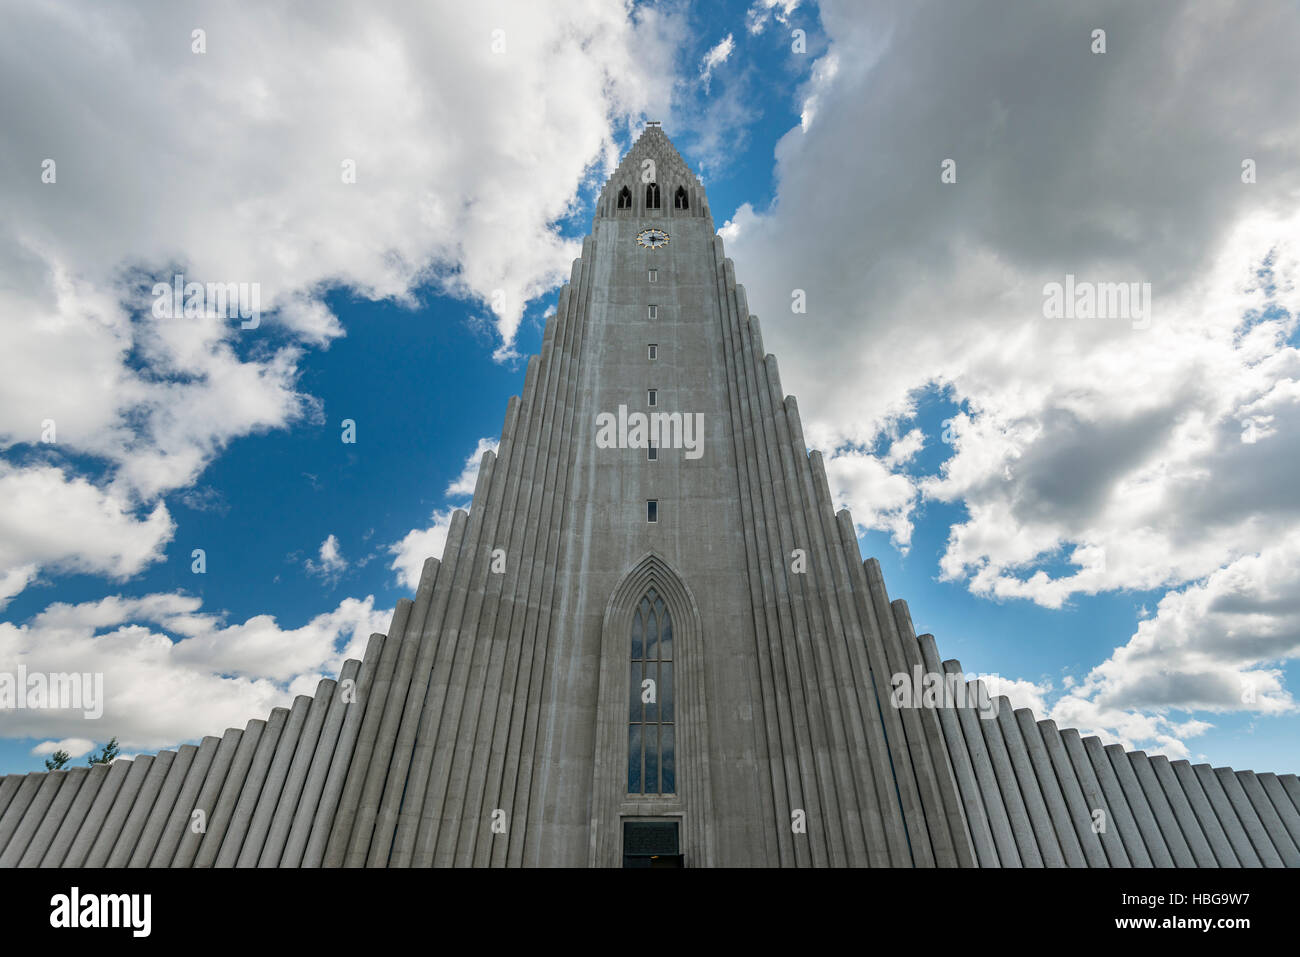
point(1161, 809)
point(221, 846)
point(1121, 812)
point(291, 793)
point(1269, 818)
point(273, 786)
point(314, 787)
point(952, 842)
point(43, 838)
point(117, 814)
point(324, 824)
point(1094, 795)
point(1022, 827)
point(1067, 783)
point(143, 804)
point(1232, 827)
point(1205, 816)
point(163, 805)
point(1039, 816)
point(1250, 821)
point(22, 799)
point(76, 817)
point(94, 819)
point(14, 839)
point(1282, 803)
point(188, 846)
point(977, 818)
point(250, 743)
point(1197, 842)
point(986, 790)
point(339, 847)
point(1145, 817)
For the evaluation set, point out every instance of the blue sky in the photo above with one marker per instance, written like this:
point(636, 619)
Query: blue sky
point(413, 355)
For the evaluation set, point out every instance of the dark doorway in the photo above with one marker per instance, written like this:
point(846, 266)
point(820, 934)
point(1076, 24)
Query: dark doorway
point(651, 844)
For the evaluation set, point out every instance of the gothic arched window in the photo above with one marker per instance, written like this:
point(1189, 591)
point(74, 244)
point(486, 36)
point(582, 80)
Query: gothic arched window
point(652, 752)
point(652, 196)
point(624, 198)
point(679, 199)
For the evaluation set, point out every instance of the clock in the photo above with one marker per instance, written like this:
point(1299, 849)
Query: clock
point(652, 238)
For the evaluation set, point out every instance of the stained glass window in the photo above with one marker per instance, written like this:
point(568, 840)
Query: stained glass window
point(652, 758)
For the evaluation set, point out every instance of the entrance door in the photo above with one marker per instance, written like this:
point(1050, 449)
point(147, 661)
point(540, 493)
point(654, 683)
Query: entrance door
point(651, 844)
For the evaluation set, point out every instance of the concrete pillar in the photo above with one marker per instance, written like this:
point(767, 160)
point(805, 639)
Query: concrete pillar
point(1136, 797)
point(1241, 846)
point(141, 807)
point(1040, 818)
point(1197, 842)
point(44, 836)
point(1205, 816)
point(163, 806)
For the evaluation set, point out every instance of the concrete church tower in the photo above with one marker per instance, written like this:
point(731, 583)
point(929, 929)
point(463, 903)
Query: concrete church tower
point(650, 642)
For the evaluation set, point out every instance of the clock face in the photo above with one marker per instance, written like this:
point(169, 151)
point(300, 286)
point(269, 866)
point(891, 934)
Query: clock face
point(652, 238)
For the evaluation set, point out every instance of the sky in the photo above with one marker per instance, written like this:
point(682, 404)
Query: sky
point(1098, 510)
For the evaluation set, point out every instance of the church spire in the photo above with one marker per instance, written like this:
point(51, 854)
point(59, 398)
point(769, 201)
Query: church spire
point(653, 180)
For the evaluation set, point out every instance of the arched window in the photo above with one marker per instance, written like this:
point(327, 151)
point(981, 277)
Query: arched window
point(652, 752)
point(624, 198)
point(679, 199)
point(652, 196)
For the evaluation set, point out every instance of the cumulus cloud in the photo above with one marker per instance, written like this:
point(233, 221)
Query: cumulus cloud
point(463, 486)
point(419, 544)
point(335, 168)
point(758, 16)
point(331, 564)
point(1090, 455)
point(75, 747)
point(715, 57)
point(59, 522)
point(173, 672)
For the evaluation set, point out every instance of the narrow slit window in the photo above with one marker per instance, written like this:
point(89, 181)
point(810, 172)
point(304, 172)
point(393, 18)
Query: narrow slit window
point(652, 351)
point(652, 453)
point(654, 275)
point(652, 397)
point(652, 510)
point(653, 312)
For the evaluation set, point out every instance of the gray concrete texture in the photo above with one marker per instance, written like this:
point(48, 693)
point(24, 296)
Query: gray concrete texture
point(489, 726)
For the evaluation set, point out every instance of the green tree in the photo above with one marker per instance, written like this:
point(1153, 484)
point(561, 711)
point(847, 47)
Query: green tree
point(57, 760)
point(105, 756)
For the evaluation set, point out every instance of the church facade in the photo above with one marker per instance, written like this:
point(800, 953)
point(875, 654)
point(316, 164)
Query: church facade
point(651, 641)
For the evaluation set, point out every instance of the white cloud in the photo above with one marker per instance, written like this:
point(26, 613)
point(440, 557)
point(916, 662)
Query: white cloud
point(463, 486)
point(50, 520)
point(172, 672)
point(715, 57)
point(332, 564)
point(1090, 456)
point(418, 545)
point(75, 747)
point(878, 497)
point(1021, 693)
point(228, 166)
point(762, 12)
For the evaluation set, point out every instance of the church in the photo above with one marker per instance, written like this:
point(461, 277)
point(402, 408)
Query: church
point(651, 642)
